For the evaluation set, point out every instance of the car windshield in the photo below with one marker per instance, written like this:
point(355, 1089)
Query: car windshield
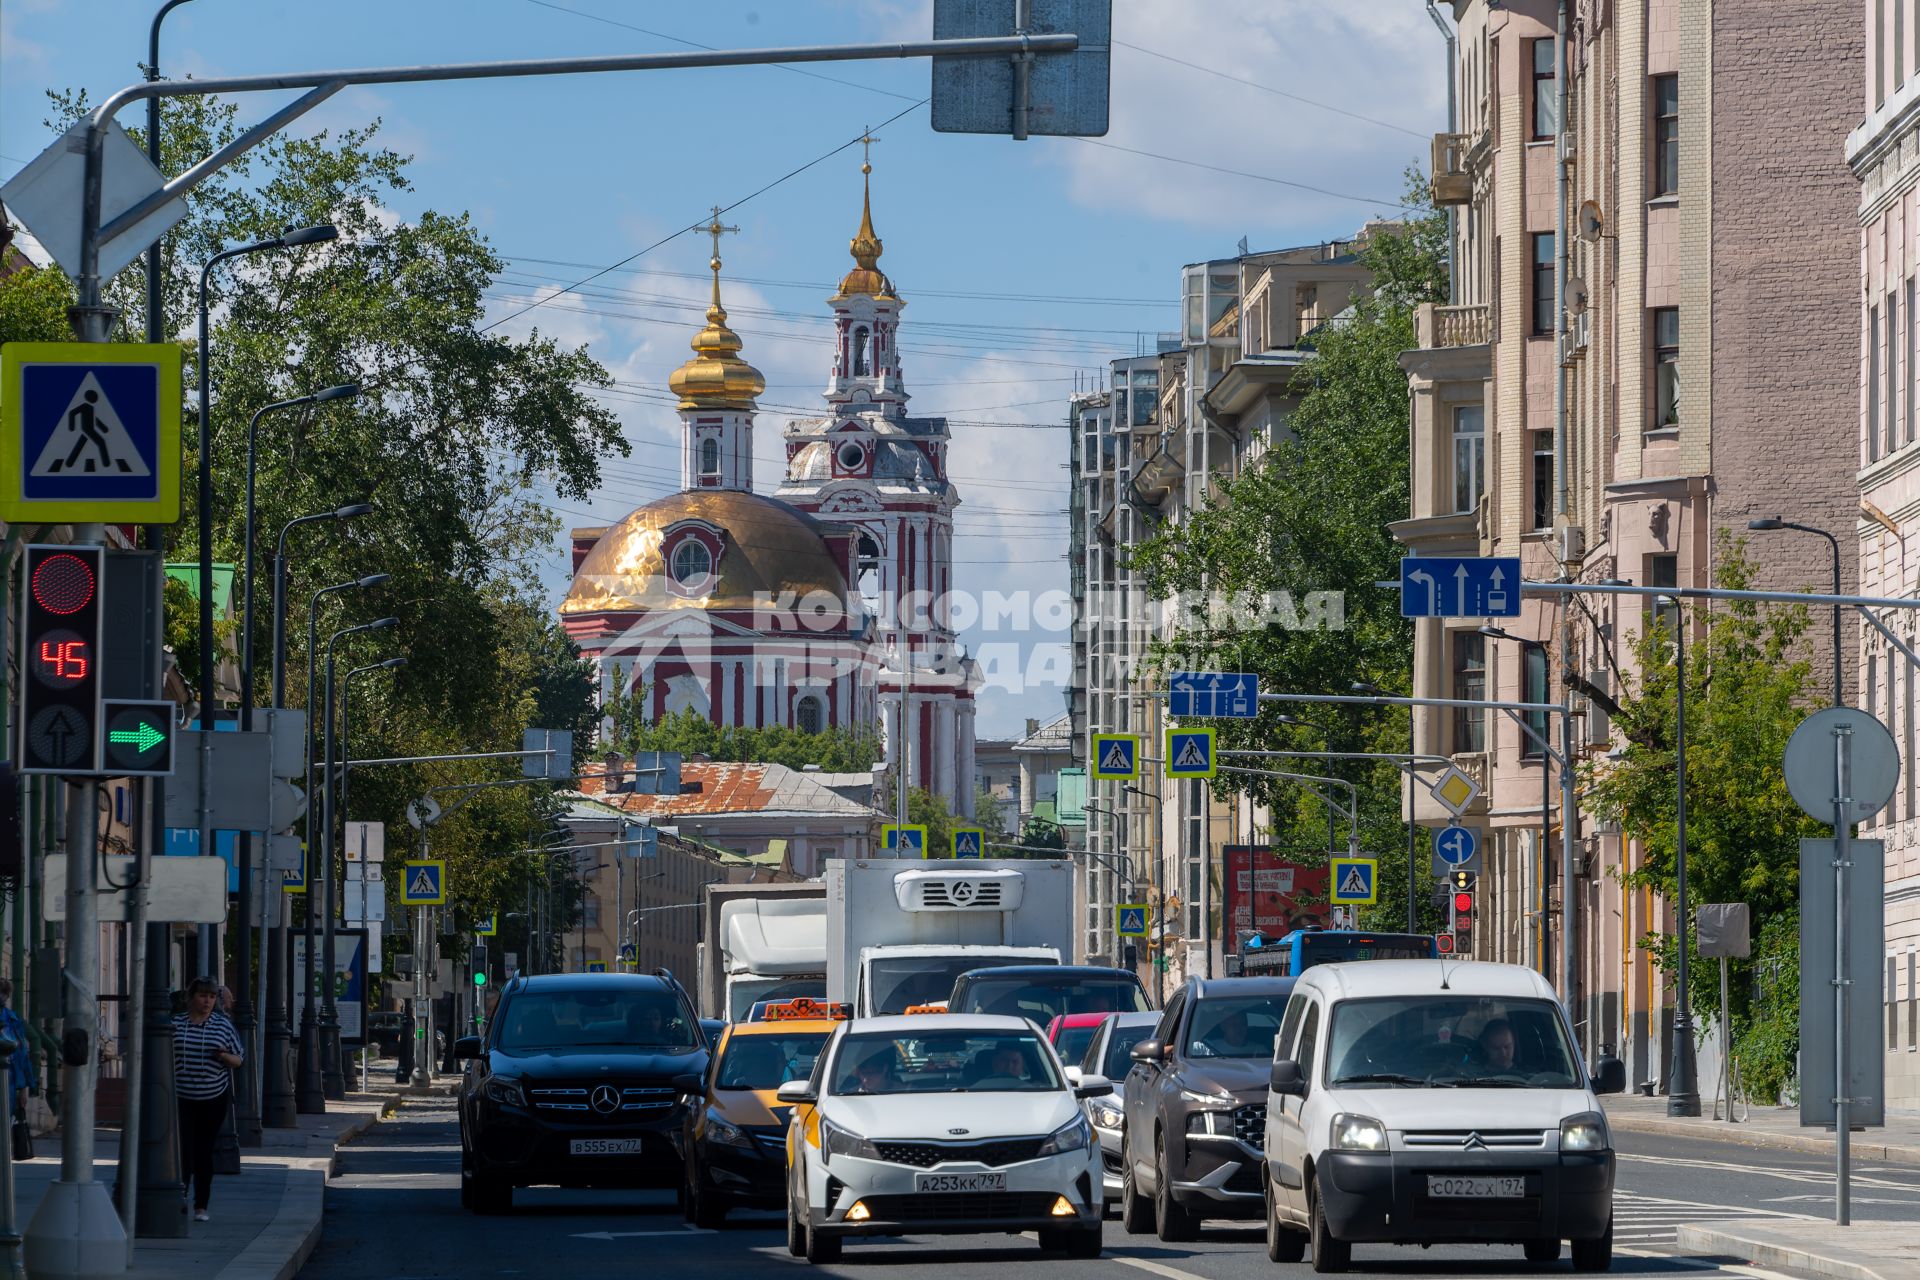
point(768, 1061)
point(1236, 1027)
point(1446, 1040)
point(1120, 1048)
point(945, 1062)
point(1044, 999)
point(897, 983)
point(628, 1018)
point(1071, 1042)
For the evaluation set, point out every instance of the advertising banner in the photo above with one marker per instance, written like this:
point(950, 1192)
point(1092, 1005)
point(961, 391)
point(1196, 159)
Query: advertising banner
point(1271, 893)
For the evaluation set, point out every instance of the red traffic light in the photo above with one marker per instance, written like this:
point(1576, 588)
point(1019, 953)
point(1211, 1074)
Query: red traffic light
point(1463, 902)
point(1445, 942)
point(63, 583)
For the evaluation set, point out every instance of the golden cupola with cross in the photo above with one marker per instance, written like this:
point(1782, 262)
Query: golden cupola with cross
point(717, 377)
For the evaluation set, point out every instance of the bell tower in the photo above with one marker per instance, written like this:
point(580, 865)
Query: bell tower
point(717, 390)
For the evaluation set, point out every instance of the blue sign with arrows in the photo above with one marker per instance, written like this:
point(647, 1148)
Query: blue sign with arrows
point(1460, 587)
point(1457, 845)
point(1230, 694)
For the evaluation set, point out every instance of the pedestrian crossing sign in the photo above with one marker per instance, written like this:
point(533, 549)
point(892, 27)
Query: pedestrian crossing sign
point(1355, 881)
point(489, 927)
point(1130, 919)
point(295, 881)
point(596, 966)
point(1190, 753)
point(969, 842)
point(909, 841)
point(91, 432)
point(425, 885)
point(1116, 755)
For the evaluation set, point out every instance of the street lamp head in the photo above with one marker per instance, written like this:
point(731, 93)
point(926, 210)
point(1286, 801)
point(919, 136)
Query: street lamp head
point(393, 664)
point(1492, 632)
point(319, 233)
point(373, 580)
point(381, 624)
point(351, 510)
point(1766, 524)
point(345, 391)
point(1363, 686)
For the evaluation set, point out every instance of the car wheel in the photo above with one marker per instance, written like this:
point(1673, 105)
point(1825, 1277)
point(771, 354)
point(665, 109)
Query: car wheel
point(1085, 1242)
point(1136, 1211)
point(796, 1234)
point(491, 1195)
point(1284, 1244)
point(822, 1248)
point(1594, 1255)
point(1172, 1223)
point(1543, 1251)
point(1329, 1254)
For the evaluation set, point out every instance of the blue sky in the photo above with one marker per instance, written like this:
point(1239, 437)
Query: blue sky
point(1025, 265)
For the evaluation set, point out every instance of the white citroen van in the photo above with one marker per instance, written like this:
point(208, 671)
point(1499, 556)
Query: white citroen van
point(1435, 1101)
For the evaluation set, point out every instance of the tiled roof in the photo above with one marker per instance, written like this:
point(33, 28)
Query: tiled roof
point(723, 787)
point(1055, 735)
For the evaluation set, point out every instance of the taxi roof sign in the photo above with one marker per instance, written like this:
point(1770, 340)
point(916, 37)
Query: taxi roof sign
point(937, 1007)
point(802, 1008)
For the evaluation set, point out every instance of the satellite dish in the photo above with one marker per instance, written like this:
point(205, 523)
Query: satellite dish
point(1590, 223)
point(1576, 294)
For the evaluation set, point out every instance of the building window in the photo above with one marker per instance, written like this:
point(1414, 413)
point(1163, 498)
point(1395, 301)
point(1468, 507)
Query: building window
point(1545, 90)
point(1892, 372)
point(1469, 455)
point(1543, 479)
point(1893, 1003)
point(1663, 571)
point(1666, 135)
point(1195, 289)
point(1913, 1002)
point(1880, 51)
point(1666, 367)
point(1146, 395)
point(809, 714)
point(1533, 686)
point(709, 457)
point(1873, 383)
point(692, 562)
point(1543, 317)
point(1470, 684)
point(860, 351)
point(851, 455)
point(1913, 374)
point(1899, 41)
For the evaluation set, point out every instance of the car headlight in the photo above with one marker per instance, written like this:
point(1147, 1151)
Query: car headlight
point(1358, 1133)
point(1584, 1132)
point(726, 1133)
point(1075, 1135)
point(1108, 1116)
point(1219, 1123)
point(1205, 1099)
point(505, 1089)
point(836, 1141)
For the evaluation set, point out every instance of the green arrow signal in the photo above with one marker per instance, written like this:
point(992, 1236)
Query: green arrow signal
point(144, 736)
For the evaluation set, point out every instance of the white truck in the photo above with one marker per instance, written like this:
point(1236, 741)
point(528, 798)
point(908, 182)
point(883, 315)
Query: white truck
point(761, 942)
point(899, 930)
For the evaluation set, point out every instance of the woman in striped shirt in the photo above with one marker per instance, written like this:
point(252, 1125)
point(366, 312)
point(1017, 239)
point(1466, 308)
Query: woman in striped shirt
point(206, 1049)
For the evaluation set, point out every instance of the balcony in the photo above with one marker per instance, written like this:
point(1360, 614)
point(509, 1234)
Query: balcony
point(1452, 184)
point(1462, 326)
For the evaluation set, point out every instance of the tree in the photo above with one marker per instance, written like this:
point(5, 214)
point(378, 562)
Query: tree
point(1747, 679)
point(835, 750)
point(33, 306)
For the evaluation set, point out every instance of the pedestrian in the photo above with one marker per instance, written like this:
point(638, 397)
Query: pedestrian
point(20, 1076)
point(206, 1049)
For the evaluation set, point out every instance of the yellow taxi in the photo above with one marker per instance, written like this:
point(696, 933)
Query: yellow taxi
point(735, 1132)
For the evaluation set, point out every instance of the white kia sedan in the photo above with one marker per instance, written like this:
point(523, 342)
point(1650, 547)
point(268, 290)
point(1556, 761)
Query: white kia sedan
point(941, 1124)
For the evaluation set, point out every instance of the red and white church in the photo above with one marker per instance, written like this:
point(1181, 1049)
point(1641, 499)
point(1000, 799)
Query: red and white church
point(826, 605)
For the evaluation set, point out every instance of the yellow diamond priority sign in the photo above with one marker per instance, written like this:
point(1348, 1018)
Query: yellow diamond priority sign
point(1455, 791)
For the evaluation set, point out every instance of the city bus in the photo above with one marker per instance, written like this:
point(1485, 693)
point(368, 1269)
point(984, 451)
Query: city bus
point(1296, 952)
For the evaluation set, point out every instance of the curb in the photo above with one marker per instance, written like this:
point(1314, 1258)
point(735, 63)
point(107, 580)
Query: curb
point(1747, 1136)
point(1718, 1241)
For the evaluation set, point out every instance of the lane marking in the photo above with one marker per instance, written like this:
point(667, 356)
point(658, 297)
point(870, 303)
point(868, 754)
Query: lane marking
point(1153, 1268)
point(1775, 1171)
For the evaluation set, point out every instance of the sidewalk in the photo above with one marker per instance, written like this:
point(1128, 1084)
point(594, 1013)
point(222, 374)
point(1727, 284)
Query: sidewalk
point(266, 1221)
point(1776, 1127)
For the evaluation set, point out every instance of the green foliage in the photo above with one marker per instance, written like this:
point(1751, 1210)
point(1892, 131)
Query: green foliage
point(987, 816)
point(1040, 834)
point(1312, 516)
point(33, 306)
point(835, 750)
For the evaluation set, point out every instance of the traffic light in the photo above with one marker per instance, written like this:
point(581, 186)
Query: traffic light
point(60, 646)
point(477, 962)
point(1462, 882)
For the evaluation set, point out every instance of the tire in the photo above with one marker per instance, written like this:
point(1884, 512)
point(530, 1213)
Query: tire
point(1085, 1242)
point(491, 1195)
point(1594, 1255)
point(1330, 1256)
point(1543, 1251)
point(1172, 1223)
point(796, 1234)
point(1136, 1211)
point(822, 1249)
point(1284, 1244)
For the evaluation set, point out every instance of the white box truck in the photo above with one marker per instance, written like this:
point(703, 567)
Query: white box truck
point(761, 942)
point(899, 930)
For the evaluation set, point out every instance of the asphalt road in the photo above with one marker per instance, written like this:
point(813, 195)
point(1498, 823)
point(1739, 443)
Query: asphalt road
point(393, 1213)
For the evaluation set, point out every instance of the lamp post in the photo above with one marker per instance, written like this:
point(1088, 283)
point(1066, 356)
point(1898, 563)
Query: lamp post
point(333, 1080)
point(1683, 1092)
point(1771, 523)
point(309, 1084)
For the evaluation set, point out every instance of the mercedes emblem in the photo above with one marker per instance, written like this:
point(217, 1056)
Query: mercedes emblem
point(606, 1099)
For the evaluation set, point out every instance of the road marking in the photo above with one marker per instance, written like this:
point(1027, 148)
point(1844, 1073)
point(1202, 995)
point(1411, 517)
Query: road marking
point(629, 1235)
point(1154, 1268)
point(1776, 1171)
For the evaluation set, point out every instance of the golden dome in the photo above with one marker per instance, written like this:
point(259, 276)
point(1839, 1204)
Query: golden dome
point(716, 377)
point(866, 277)
point(775, 556)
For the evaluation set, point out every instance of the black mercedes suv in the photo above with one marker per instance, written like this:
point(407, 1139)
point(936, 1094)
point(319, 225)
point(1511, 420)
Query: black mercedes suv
point(573, 1085)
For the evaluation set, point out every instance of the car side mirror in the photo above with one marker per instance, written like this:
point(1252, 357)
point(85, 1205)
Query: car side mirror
point(1286, 1078)
point(1148, 1051)
point(1609, 1075)
point(690, 1083)
point(467, 1047)
point(1074, 1076)
point(1090, 1086)
point(796, 1091)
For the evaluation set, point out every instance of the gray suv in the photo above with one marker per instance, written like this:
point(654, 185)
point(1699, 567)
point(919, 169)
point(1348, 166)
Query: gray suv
point(1196, 1107)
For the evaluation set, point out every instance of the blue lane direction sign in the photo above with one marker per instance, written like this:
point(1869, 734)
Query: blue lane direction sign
point(424, 885)
point(1116, 755)
point(90, 433)
point(1199, 694)
point(1460, 587)
point(1130, 919)
point(1190, 753)
point(1457, 845)
point(1354, 881)
point(969, 842)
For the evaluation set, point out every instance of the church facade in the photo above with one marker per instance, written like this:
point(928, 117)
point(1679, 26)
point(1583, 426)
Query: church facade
point(826, 605)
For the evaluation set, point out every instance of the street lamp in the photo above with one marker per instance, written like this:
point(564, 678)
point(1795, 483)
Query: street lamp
point(333, 1080)
point(1769, 524)
point(1683, 1092)
point(309, 1083)
point(247, 1106)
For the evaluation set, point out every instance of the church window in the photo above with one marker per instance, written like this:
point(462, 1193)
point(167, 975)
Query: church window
point(709, 457)
point(851, 455)
point(692, 562)
point(809, 716)
point(860, 352)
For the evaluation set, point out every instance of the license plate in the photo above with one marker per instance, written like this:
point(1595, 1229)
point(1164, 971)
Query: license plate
point(605, 1146)
point(959, 1182)
point(1445, 1188)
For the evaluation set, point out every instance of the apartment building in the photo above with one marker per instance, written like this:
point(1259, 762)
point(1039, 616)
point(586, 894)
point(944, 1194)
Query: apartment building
point(1153, 446)
point(1884, 152)
point(1653, 288)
